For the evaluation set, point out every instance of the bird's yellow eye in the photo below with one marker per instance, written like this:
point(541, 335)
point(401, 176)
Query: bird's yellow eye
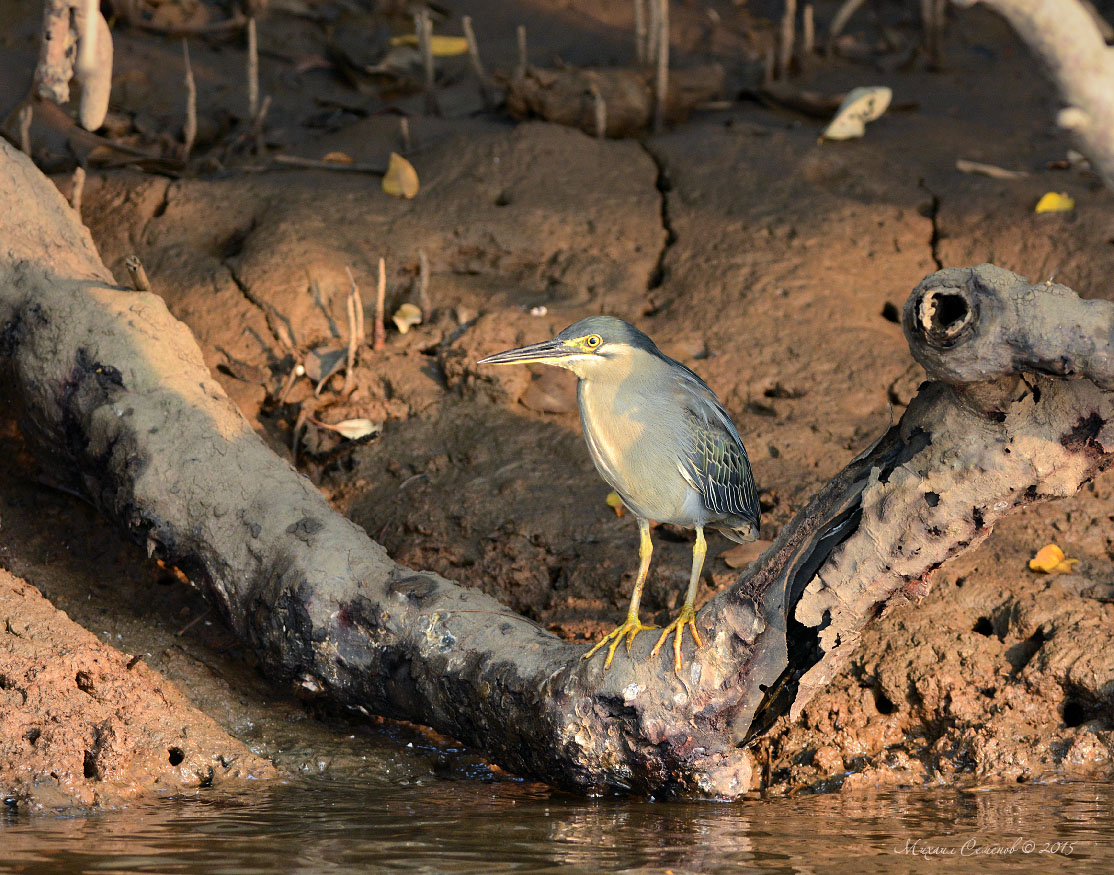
point(592, 341)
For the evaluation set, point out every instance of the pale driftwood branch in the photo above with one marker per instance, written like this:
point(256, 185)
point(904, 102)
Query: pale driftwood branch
point(1064, 35)
point(76, 45)
point(143, 430)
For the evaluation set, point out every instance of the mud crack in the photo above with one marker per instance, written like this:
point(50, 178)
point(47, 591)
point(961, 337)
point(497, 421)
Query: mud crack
point(664, 186)
point(931, 211)
point(278, 324)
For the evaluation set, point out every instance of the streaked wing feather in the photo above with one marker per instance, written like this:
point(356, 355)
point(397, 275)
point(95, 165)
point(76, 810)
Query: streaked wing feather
point(715, 462)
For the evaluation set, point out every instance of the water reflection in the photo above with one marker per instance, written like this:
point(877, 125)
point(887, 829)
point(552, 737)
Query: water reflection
point(324, 825)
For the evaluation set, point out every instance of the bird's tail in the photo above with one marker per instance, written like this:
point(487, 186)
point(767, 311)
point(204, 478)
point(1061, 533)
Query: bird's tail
point(739, 530)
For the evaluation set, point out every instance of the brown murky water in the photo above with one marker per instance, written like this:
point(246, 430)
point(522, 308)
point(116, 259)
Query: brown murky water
point(430, 810)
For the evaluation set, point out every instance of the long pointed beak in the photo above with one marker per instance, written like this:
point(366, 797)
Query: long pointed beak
point(546, 352)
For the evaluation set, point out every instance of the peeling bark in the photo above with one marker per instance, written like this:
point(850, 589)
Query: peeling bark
point(113, 393)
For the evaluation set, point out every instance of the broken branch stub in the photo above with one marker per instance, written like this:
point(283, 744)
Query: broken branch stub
point(113, 394)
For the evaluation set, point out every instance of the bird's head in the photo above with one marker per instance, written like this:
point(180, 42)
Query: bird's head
point(590, 347)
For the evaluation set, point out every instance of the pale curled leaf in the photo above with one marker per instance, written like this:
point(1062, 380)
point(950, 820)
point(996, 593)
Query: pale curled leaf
point(406, 317)
point(401, 179)
point(861, 105)
point(352, 429)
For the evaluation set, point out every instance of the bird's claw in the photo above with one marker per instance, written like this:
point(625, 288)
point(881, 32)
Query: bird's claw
point(677, 629)
point(628, 630)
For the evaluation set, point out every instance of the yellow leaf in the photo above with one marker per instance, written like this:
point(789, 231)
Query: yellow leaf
point(441, 46)
point(401, 179)
point(1049, 559)
point(615, 503)
point(1054, 202)
point(338, 158)
point(407, 316)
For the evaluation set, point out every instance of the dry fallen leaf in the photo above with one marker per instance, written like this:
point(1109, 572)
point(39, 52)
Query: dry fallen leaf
point(441, 46)
point(861, 105)
point(743, 554)
point(352, 429)
point(338, 158)
point(1055, 202)
point(1050, 560)
point(616, 503)
point(401, 179)
point(406, 317)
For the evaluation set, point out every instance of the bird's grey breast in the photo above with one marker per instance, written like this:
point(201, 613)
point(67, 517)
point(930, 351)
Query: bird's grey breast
point(635, 434)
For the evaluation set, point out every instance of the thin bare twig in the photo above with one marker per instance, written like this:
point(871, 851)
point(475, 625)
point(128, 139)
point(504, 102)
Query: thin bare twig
point(653, 35)
point(137, 273)
point(423, 26)
point(991, 170)
point(424, 302)
point(257, 124)
point(379, 332)
point(787, 39)
point(253, 72)
point(189, 131)
point(661, 81)
point(599, 111)
point(404, 133)
point(849, 8)
point(316, 164)
point(355, 307)
point(520, 70)
point(299, 427)
point(184, 629)
point(808, 30)
point(477, 64)
point(640, 31)
point(26, 113)
point(78, 189)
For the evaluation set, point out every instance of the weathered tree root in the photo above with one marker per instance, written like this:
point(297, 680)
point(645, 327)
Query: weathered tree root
point(112, 391)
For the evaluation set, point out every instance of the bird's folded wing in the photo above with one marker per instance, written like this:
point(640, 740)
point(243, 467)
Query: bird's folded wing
point(715, 462)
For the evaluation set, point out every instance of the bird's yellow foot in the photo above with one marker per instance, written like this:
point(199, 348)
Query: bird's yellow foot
point(628, 630)
point(677, 629)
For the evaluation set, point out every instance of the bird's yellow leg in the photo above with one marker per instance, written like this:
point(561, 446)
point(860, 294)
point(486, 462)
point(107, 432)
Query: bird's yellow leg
point(688, 612)
point(632, 626)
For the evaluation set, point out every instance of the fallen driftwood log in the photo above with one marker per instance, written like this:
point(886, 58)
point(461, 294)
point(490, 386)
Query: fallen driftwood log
point(609, 101)
point(112, 392)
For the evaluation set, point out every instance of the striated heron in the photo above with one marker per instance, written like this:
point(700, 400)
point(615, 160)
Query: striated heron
point(659, 436)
